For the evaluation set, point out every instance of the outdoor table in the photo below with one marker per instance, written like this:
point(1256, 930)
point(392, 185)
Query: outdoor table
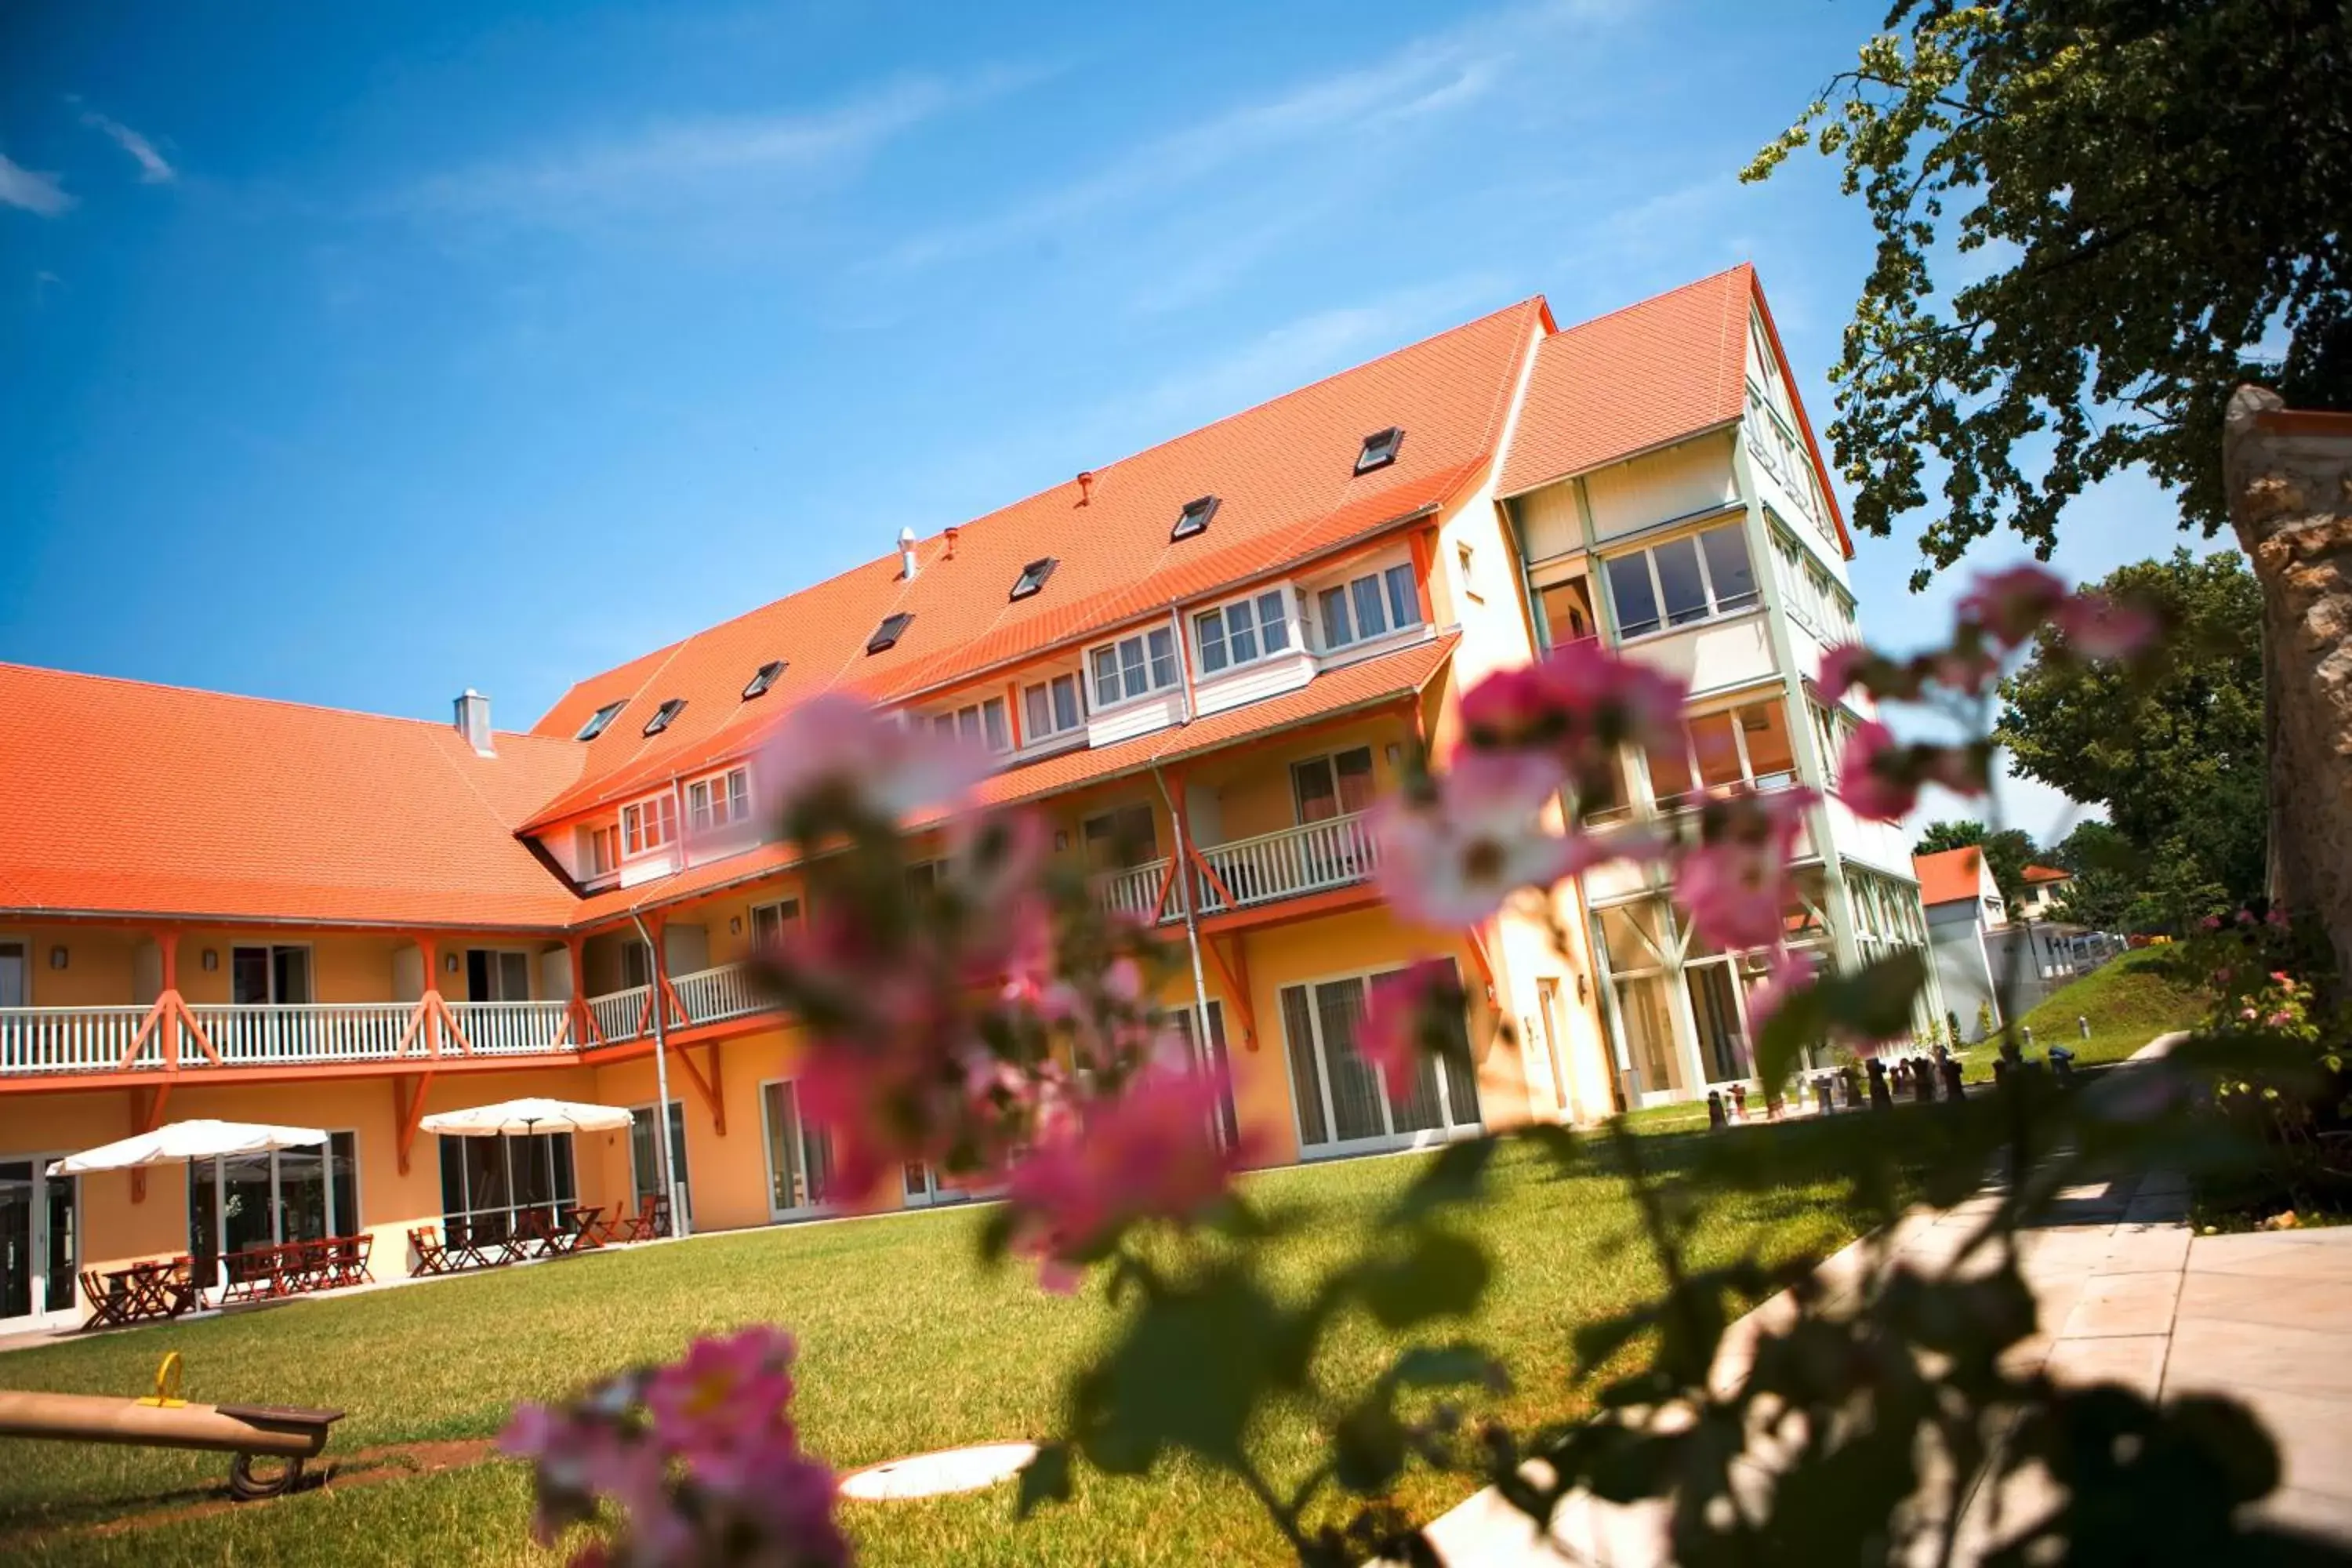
point(145, 1292)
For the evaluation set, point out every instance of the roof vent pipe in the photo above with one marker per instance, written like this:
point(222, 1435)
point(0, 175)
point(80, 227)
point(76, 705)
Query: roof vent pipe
point(473, 722)
point(1085, 487)
point(951, 532)
point(907, 565)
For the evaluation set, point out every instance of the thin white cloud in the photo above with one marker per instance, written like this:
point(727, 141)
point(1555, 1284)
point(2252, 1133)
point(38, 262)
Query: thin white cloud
point(1429, 75)
point(681, 161)
point(153, 168)
point(33, 191)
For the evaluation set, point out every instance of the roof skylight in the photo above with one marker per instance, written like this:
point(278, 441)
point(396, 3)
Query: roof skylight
point(885, 636)
point(1380, 449)
point(1033, 576)
point(600, 718)
point(764, 678)
point(664, 714)
point(1193, 519)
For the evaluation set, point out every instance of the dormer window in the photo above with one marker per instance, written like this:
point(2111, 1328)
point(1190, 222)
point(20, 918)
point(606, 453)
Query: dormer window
point(600, 718)
point(664, 714)
point(885, 636)
point(1380, 449)
point(765, 677)
point(1033, 576)
point(1193, 519)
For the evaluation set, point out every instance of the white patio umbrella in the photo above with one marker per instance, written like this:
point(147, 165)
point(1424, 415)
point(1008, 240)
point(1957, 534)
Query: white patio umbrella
point(521, 1118)
point(185, 1142)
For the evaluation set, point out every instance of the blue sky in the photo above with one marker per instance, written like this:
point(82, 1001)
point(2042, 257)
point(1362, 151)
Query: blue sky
point(357, 356)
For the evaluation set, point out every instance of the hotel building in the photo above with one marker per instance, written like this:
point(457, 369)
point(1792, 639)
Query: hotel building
point(1200, 663)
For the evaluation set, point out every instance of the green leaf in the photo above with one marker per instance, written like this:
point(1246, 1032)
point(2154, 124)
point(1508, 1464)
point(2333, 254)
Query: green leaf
point(1458, 1175)
point(1192, 1369)
point(1441, 1276)
point(1043, 1480)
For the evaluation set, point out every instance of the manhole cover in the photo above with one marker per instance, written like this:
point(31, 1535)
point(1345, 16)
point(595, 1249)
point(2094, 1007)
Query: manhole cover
point(930, 1475)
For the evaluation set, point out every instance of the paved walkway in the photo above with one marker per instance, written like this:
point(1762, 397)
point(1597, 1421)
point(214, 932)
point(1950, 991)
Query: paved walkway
point(2126, 1295)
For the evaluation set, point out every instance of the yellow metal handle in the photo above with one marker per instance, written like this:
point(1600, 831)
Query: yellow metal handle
point(167, 1384)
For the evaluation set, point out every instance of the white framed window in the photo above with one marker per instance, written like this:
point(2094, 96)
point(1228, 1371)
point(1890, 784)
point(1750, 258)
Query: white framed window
point(770, 921)
point(1747, 744)
point(1133, 667)
point(596, 850)
point(1369, 607)
point(1683, 581)
point(983, 722)
point(717, 802)
point(1050, 708)
point(242, 1201)
point(1244, 631)
point(647, 825)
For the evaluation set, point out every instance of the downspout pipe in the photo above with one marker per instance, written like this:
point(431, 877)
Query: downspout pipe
point(1201, 1035)
point(664, 1157)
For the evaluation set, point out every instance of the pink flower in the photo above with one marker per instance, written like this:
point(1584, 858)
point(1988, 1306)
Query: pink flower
point(2212, 923)
point(2010, 606)
point(1735, 882)
point(1417, 1011)
point(1576, 699)
point(1450, 864)
point(1785, 974)
point(2281, 1019)
point(1870, 775)
point(789, 1499)
point(1151, 1152)
point(2097, 626)
point(837, 743)
point(2276, 919)
point(724, 1396)
point(1966, 668)
point(1842, 666)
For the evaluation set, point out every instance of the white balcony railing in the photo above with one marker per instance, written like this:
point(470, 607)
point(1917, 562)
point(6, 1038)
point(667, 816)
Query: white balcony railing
point(709, 996)
point(512, 1028)
point(247, 1035)
point(620, 1014)
point(1318, 856)
point(73, 1040)
point(1136, 890)
point(713, 996)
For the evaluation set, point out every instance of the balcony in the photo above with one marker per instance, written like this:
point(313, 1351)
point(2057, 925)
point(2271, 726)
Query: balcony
point(708, 995)
point(1245, 873)
point(38, 1041)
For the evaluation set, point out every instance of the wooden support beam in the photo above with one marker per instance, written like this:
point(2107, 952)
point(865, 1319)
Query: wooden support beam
point(1236, 974)
point(407, 1110)
point(1485, 961)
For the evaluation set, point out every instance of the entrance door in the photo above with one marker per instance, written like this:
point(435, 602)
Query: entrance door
point(1343, 1105)
point(800, 1153)
point(39, 1242)
point(13, 990)
point(495, 976)
point(1213, 1060)
point(1548, 999)
point(922, 1186)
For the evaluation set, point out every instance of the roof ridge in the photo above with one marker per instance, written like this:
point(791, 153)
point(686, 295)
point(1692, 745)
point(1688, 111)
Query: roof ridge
point(176, 686)
point(1747, 267)
point(936, 536)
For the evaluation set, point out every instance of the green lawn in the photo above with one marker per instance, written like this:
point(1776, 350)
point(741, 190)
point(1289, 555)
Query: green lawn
point(2129, 1001)
point(907, 1345)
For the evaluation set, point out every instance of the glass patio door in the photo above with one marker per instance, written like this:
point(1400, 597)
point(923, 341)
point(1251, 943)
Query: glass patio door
point(1213, 1060)
point(923, 1188)
point(800, 1154)
point(645, 1157)
point(266, 1199)
point(39, 1242)
point(1342, 1106)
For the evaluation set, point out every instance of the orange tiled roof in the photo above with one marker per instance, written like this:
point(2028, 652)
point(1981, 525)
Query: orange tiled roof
point(130, 797)
point(1374, 681)
point(1283, 474)
point(1948, 874)
point(1642, 378)
point(2041, 874)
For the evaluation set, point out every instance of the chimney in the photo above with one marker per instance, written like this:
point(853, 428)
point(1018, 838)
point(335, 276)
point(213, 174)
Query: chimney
point(952, 531)
point(473, 722)
point(907, 563)
point(1085, 487)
